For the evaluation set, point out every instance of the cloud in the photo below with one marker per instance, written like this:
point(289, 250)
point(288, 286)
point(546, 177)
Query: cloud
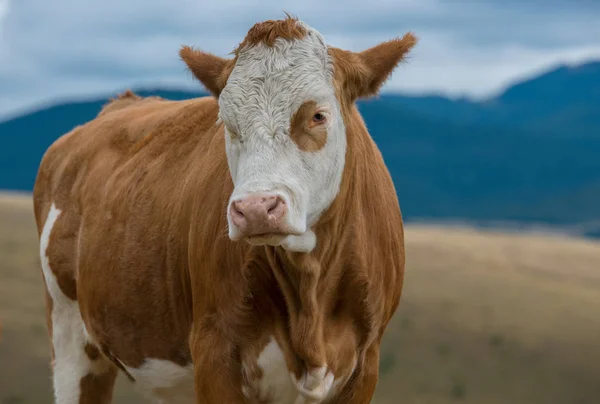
point(436, 66)
point(72, 48)
point(4, 8)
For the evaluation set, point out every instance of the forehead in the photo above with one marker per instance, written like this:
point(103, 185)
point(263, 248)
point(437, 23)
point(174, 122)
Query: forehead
point(280, 72)
point(277, 50)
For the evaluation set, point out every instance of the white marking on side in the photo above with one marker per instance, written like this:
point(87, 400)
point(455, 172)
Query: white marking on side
point(58, 298)
point(165, 381)
point(71, 363)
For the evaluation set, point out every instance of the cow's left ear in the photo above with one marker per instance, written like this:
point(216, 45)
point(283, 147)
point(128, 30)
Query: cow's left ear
point(211, 70)
point(361, 74)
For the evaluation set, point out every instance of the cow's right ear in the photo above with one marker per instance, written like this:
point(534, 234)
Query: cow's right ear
point(211, 70)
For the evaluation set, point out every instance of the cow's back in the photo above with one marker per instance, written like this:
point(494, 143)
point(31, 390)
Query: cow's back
point(109, 204)
point(140, 134)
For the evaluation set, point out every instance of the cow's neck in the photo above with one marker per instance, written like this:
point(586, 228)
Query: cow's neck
point(310, 282)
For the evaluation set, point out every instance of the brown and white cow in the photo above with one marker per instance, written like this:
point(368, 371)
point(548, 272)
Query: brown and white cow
point(241, 248)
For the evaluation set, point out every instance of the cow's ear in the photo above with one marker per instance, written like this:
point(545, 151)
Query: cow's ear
point(361, 74)
point(211, 70)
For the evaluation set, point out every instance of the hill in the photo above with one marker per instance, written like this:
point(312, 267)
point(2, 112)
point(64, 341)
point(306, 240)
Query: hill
point(527, 156)
point(562, 101)
point(486, 317)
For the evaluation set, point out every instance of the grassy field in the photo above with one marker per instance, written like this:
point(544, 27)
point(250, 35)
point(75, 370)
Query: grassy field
point(486, 318)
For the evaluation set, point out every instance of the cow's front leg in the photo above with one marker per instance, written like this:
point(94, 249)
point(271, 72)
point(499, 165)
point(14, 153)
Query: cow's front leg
point(361, 386)
point(216, 368)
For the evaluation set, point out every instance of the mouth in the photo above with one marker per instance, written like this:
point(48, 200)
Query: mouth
point(272, 239)
point(303, 242)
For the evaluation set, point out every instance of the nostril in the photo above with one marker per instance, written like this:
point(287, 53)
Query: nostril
point(272, 205)
point(275, 205)
point(236, 211)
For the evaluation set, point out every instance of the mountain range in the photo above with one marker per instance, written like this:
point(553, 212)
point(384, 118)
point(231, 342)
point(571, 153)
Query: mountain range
point(529, 156)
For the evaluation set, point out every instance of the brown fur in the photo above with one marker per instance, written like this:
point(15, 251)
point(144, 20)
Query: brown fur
point(98, 389)
point(268, 31)
point(212, 71)
point(124, 100)
point(364, 73)
point(304, 132)
point(92, 352)
point(142, 244)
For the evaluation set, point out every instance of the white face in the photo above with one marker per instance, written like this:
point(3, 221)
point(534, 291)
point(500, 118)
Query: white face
point(264, 92)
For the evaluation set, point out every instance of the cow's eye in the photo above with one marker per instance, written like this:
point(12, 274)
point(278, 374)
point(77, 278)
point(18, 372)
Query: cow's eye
point(319, 117)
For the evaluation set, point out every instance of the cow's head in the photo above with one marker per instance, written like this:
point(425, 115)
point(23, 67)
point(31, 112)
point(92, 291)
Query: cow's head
point(281, 100)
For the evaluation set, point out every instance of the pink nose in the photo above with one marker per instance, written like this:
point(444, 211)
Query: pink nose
point(258, 214)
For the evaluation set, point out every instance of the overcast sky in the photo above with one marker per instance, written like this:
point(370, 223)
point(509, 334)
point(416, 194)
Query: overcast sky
point(73, 48)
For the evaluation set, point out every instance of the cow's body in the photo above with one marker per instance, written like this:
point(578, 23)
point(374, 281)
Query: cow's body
point(142, 276)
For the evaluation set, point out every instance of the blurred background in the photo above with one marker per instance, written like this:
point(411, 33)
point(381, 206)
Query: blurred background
point(490, 129)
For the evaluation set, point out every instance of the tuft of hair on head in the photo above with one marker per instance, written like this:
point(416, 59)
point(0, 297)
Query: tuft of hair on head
point(213, 71)
point(269, 31)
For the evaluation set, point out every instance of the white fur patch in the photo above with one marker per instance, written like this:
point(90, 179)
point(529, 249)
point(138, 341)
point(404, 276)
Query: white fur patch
point(279, 386)
point(275, 386)
point(165, 381)
point(71, 363)
point(315, 385)
point(263, 92)
point(303, 243)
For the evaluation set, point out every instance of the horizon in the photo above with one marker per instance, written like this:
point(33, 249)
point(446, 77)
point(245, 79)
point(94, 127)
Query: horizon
point(197, 88)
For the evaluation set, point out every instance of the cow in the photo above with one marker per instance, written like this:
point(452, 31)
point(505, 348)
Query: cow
point(242, 247)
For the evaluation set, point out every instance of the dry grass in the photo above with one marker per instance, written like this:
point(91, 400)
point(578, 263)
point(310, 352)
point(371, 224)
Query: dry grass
point(495, 318)
point(486, 318)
